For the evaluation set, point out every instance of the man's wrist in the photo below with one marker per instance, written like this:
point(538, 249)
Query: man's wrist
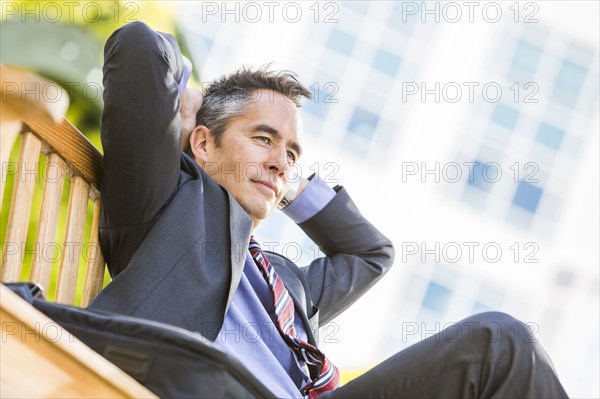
point(294, 189)
point(295, 185)
point(311, 198)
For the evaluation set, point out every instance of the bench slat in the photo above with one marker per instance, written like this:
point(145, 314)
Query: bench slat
point(20, 208)
point(72, 146)
point(45, 242)
point(71, 251)
point(94, 276)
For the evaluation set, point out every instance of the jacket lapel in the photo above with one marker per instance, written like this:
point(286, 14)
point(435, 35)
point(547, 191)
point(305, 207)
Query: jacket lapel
point(240, 228)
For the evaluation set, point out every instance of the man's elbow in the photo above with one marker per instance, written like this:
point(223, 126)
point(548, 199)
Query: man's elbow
point(381, 257)
point(389, 253)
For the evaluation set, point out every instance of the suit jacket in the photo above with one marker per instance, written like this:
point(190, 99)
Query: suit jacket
point(174, 240)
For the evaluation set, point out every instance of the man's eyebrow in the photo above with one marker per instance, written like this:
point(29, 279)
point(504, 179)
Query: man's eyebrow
point(275, 134)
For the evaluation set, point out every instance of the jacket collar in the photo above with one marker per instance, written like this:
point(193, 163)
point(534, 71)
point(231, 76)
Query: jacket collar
point(240, 228)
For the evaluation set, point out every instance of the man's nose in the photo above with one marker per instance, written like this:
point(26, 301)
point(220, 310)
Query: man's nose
point(278, 161)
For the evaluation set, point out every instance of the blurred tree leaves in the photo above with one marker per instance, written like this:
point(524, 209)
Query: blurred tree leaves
point(63, 41)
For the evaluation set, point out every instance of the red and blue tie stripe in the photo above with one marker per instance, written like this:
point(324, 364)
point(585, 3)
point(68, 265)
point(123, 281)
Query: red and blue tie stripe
point(329, 376)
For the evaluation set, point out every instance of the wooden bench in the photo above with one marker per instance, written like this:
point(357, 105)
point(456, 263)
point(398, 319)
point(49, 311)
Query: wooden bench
point(69, 154)
point(38, 358)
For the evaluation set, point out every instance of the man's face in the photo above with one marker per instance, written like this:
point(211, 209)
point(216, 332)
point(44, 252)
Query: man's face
point(255, 151)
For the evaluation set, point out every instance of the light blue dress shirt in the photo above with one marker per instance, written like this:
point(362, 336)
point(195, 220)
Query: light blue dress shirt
point(248, 331)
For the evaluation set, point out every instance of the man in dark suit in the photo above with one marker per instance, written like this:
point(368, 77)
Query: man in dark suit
point(176, 233)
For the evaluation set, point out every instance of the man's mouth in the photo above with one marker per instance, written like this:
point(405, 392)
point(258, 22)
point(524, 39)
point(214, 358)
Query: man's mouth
point(270, 185)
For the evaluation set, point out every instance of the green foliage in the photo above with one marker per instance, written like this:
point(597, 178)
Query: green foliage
point(63, 42)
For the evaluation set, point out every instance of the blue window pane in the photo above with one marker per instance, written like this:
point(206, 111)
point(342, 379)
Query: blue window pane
point(317, 106)
point(386, 62)
point(477, 176)
point(208, 43)
point(571, 76)
point(341, 41)
point(580, 54)
point(490, 297)
point(437, 297)
point(505, 116)
point(403, 18)
point(550, 135)
point(528, 196)
point(527, 56)
point(363, 123)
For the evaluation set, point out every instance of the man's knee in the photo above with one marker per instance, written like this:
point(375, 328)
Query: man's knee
point(501, 333)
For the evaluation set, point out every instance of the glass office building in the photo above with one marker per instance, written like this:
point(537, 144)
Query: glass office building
point(468, 133)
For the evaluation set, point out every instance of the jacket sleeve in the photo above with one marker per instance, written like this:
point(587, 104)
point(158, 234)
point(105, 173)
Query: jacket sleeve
point(140, 132)
point(357, 256)
point(140, 127)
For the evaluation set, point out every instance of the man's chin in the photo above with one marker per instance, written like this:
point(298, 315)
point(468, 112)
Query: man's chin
point(258, 218)
point(265, 213)
point(259, 213)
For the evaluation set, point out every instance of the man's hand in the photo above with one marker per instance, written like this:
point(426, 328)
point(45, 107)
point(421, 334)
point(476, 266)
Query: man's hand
point(191, 100)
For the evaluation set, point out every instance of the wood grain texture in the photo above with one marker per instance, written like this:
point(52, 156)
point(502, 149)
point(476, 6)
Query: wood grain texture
point(25, 106)
point(57, 364)
point(73, 147)
point(20, 208)
point(94, 272)
point(71, 248)
point(82, 161)
point(9, 130)
point(46, 248)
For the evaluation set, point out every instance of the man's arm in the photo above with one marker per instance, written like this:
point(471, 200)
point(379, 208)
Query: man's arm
point(357, 253)
point(141, 125)
point(357, 256)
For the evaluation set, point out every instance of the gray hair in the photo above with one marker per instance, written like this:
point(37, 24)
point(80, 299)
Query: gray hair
point(230, 96)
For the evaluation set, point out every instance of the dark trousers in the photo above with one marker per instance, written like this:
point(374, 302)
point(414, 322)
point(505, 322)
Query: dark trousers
point(489, 355)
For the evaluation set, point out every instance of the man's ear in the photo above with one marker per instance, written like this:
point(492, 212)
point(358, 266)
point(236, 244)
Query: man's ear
point(199, 143)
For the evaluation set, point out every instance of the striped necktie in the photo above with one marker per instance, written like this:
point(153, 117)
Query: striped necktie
point(329, 376)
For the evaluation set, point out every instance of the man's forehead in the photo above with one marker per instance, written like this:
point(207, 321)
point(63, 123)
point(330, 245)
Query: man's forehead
point(278, 109)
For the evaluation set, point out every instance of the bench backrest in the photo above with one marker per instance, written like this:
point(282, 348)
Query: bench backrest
point(69, 155)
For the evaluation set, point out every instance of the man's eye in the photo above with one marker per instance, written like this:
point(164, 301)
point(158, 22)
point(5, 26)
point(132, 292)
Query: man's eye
point(264, 139)
point(291, 156)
